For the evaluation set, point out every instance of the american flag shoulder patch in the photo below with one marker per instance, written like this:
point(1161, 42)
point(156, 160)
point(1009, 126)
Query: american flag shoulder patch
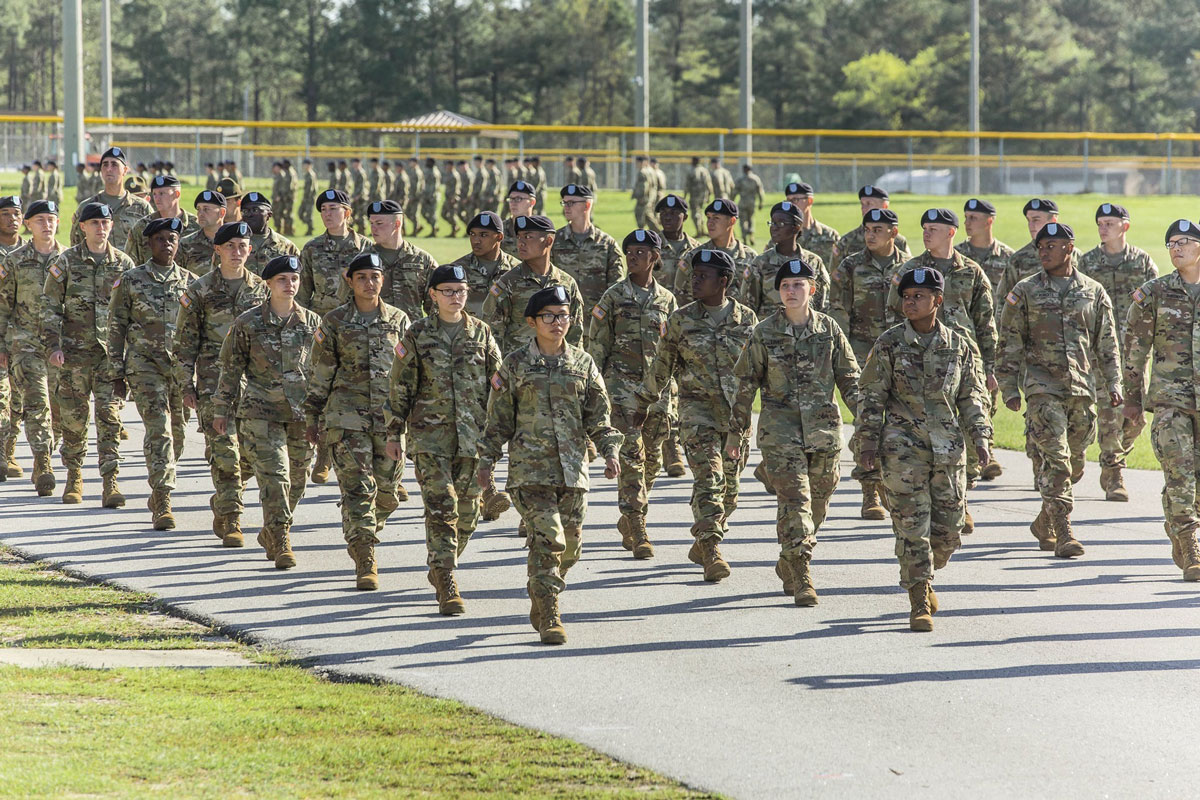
point(1138, 294)
point(495, 290)
point(598, 312)
point(319, 335)
point(497, 383)
point(116, 283)
point(896, 279)
point(3, 273)
point(56, 270)
point(746, 272)
point(185, 300)
point(1011, 299)
point(662, 328)
point(401, 350)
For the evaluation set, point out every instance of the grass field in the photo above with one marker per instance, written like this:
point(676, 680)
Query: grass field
point(614, 214)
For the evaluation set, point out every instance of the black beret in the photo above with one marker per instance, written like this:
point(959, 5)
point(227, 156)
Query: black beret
point(1183, 227)
point(41, 207)
point(801, 188)
point(364, 261)
point(231, 230)
point(941, 216)
point(789, 208)
point(671, 201)
point(643, 237)
point(722, 206)
point(980, 206)
point(538, 223)
point(575, 190)
point(447, 273)
point(1039, 204)
point(550, 296)
point(384, 207)
point(522, 186)
point(884, 215)
point(210, 197)
point(160, 224)
point(164, 181)
point(1055, 230)
point(487, 221)
point(255, 199)
point(10, 201)
point(94, 211)
point(923, 277)
point(795, 268)
point(115, 152)
point(332, 196)
point(719, 260)
point(280, 265)
point(873, 191)
point(1112, 210)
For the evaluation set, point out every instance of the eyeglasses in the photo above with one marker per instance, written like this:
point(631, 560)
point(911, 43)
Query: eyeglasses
point(788, 224)
point(523, 199)
point(550, 319)
point(1052, 246)
point(452, 292)
point(567, 203)
point(1175, 244)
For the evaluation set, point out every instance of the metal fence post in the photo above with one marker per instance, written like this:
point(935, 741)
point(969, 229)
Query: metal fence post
point(1086, 171)
point(817, 163)
point(197, 165)
point(1166, 181)
point(910, 165)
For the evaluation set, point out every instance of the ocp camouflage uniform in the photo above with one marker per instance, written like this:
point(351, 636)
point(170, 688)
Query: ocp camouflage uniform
point(504, 308)
point(750, 197)
point(489, 198)
point(538, 178)
point(74, 316)
point(196, 252)
point(401, 190)
point(994, 260)
point(698, 188)
point(439, 400)
point(308, 197)
point(742, 256)
point(1120, 275)
point(127, 211)
point(416, 194)
point(820, 239)
point(406, 272)
point(644, 192)
point(918, 394)
point(356, 189)
point(431, 183)
point(481, 275)
point(545, 408)
point(509, 243)
point(323, 263)
point(207, 309)
point(451, 190)
point(137, 247)
point(266, 246)
point(699, 353)
point(376, 185)
point(143, 315)
point(54, 186)
point(593, 259)
point(672, 251)
point(1021, 265)
point(855, 241)
point(756, 289)
point(269, 357)
point(347, 395)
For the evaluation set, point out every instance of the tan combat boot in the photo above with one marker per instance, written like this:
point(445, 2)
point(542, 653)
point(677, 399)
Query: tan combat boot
point(804, 591)
point(366, 571)
point(43, 475)
point(450, 602)
point(784, 574)
point(760, 473)
point(642, 548)
point(672, 458)
point(1043, 529)
point(320, 473)
point(493, 504)
point(872, 507)
point(920, 618)
point(401, 493)
point(160, 509)
point(992, 471)
point(231, 524)
point(968, 524)
point(707, 553)
point(112, 497)
point(1113, 483)
point(266, 540)
point(535, 611)
point(284, 557)
point(1189, 552)
point(552, 630)
point(625, 528)
point(12, 468)
point(73, 491)
point(1176, 547)
point(1065, 543)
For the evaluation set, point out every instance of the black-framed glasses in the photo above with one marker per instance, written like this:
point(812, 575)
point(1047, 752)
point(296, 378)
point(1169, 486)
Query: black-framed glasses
point(1177, 243)
point(550, 319)
point(452, 292)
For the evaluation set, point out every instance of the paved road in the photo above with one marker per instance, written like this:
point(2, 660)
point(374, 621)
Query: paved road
point(1044, 678)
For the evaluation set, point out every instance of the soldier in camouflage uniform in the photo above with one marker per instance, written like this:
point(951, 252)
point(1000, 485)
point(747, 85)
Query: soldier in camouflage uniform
point(750, 197)
point(1025, 262)
point(627, 323)
point(814, 234)
point(489, 195)
point(644, 191)
point(699, 350)
point(196, 249)
point(37, 185)
point(207, 309)
point(287, 209)
point(720, 219)
point(722, 179)
point(548, 397)
point(143, 313)
point(127, 209)
point(376, 182)
point(697, 188)
point(231, 190)
point(278, 182)
point(1058, 336)
point(583, 251)
point(164, 193)
point(537, 176)
point(870, 198)
point(356, 190)
point(920, 390)
point(672, 212)
point(439, 397)
point(519, 202)
point(11, 216)
point(796, 356)
point(416, 191)
point(755, 288)
point(308, 195)
point(587, 175)
point(571, 173)
point(451, 189)
point(347, 394)
point(74, 334)
point(54, 183)
point(22, 279)
point(1163, 324)
point(265, 366)
point(265, 244)
point(431, 184)
point(406, 267)
point(486, 262)
point(1120, 268)
point(858, 292)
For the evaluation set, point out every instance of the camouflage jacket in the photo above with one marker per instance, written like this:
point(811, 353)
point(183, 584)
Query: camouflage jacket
point(912, 396)
point(308, 194)
point(323, 263)
point(401, 188)
point(645, 186)
point(356, 184)
point(1119, 277)
point(589, 178)
point(54, 186)
point(699, 186)
point(439, 387)
point(136, 246)
point(742, 256)
point(756, 288)
point(196, 253)
point(1163, 322)
point(595, 262)
point(821, 239)
point(856, 241)
point(376, 184)
point(76, 293)
point(1053, 343)
point(672, 251)
point(406, 273)
point(509, 243)
point(994, 260)
point(504, 308)
point(351, 364)
point(481, 275)
point(623, 336)
point(750, 194)
point(968, 301)
point(1021, 265)
point(142, 316)
point(127, 211)
point(273, 356)
point(797, 370)
point(545, 408)
point(266, 246)
point(858, 297)
point(722, 180)
point(207, 309)
point(451, 185)
point(23, 275)
point(700, 355)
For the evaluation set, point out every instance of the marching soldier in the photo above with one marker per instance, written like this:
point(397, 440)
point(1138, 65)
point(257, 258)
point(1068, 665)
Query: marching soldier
point(265, 244)
point(1038, 213)
point(196, 249)
point(587, 175)
point(720, 218)
point(451, 189)
point(431, 183)
point(54, 183)
point(583, 251)
point(406, 267)
point(814, 234)
point(982, 247)
point(486, 262)
point(127, 209)
point(870, 198)
point(164, 193)
point(308, 195)
point(750, 196)
point(416, 192)
point(11, 216)
point(356, 190)
point(698, 188)
point(755, 289)
point(644, 191)
point(519, 202)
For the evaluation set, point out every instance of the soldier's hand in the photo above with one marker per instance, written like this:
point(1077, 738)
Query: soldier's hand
point(394, 450)
point(985, 457)
point(1014, 404)
point(612, 467)
point(189, 400)
point(313, 434)
point(1132, 412)
point(57, 358)
point(220, 425)
point(992, 383)
point(484, 477)
point(867, 459)
point(734, 453)
point(3, 360)
point(120, 388)
point(1115, 399)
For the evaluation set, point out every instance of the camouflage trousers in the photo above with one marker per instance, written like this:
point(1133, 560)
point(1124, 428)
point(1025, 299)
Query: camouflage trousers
point(697, 202)
point(358, 214)
point(451, 496)
point(803, 483)
point(367, 479)
point(1117, 435)
point(28, 374)
point(1060, 430)
point(224, 462)
point(659, 425)
point(160, 405)
point(928, 509)
point(411, 209)
point(641, 213)
point(746, 222)
point(715, 480)
point(306, 211)
point(450, 211)
point(284, 213)
point(86, 378)
point(281, 458)
point(632, 488)
point(861, 348)
point(429, 211)
point(10, 407)
point(1175, 436)
point(553, 517)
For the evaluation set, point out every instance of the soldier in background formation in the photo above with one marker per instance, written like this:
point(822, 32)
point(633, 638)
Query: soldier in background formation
point(698, 188)
point(196, 249)
point(870, 198)
point(750, 196)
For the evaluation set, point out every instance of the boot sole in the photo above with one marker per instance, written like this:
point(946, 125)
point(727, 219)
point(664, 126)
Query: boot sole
point(113, 503)
point(283, 561)
point(1069, 551)
point(366, 585)
point(807, 599)
point(675, 472)
point(164, 525)
point(452, 609)
point(921, 625)
point(233, 540)
point(643, 552)
point(718, 573)
point(873, 513)
point(1117, 497)
point(553, 636)
point(1192, 574)
point(73, 500)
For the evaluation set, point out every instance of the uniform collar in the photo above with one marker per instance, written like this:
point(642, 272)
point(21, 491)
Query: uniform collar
point(912, 337)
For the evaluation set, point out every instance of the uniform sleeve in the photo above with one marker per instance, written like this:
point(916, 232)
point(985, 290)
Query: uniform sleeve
point(187, 341)
point(307, 283)
point(54, 295)
point(119, 313)
point(495, 313)
point(8, 299)
point(596, 415)
point(846, 371)
point(235, 357)
point(135, 245)
point(600, 331)
point(983, 318)
point(1014, 331)
point(1106, 348)
point(841, 297)
point(749, 292)
point(402, 388)
point(683, 275)
point(874, 388)
point(615, 264)
point(575, 332)
point(750, 371)
point(893, 299)
point(663, 367)
point(972, 399)
point(1139, 341)
point(820, 300)
point(501, 417)
point(325, 362)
